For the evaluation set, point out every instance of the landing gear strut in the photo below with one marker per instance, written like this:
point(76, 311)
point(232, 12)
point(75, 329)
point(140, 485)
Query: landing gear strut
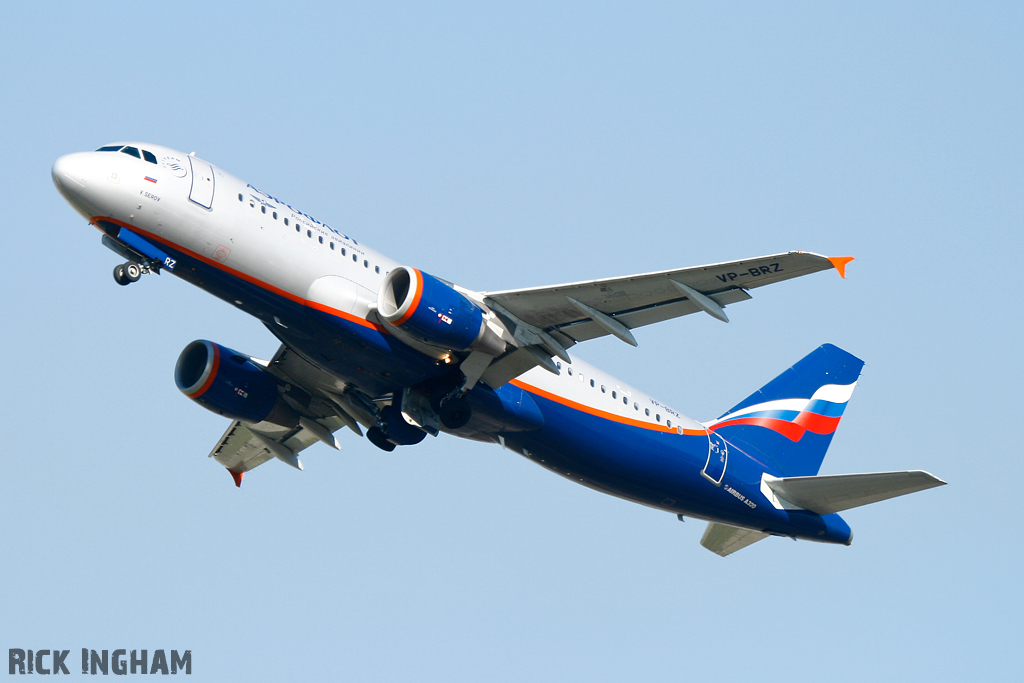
point(127, 273)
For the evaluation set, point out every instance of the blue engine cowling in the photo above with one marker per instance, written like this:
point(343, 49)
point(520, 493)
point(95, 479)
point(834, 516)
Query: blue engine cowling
point(230, 384)
point(432, 311)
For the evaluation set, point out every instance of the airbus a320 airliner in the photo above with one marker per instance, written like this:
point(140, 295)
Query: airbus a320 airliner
point(395, 353)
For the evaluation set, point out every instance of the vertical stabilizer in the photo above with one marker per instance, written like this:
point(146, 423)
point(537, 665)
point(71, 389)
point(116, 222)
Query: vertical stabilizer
point(788, 424)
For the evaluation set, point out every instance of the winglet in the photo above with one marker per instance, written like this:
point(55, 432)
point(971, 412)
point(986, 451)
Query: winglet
point(839, 263)
point(237, 476)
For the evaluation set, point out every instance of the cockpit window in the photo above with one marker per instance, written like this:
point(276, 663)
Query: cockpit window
point(132, 151)
point(110, 148)
point(149, 156)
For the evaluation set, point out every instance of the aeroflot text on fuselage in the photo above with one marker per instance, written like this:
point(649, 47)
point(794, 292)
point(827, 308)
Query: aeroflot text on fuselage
point(396, 354)
point(296, 214)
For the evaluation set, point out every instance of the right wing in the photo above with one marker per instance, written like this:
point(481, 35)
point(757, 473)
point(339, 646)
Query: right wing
point(548, 320)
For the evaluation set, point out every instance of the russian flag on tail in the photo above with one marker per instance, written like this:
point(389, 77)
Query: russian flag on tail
point(788, 424)
point(794, 417)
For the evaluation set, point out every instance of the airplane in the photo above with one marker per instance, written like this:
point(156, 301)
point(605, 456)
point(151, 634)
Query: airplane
point(394, 353)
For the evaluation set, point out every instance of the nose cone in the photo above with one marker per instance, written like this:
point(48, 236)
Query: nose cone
point(70, 174)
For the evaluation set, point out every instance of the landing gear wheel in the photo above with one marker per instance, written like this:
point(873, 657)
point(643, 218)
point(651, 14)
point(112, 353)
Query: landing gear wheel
point(455, 413)
point(119, 275)
point(132, 271)
point(379, 439)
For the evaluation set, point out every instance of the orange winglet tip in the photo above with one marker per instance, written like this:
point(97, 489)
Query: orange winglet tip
point(237, 476)
point(839, 263)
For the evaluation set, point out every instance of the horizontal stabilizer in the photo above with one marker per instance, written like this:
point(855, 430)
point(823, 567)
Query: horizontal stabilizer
point(835, 493)
point(723, 539)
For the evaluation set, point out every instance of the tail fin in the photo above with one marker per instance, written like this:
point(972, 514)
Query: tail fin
point(788, 423)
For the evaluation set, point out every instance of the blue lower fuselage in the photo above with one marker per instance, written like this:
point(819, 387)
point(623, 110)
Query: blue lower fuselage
point(655, 468)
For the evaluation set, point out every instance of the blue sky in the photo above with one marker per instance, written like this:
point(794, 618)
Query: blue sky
point(502, 148)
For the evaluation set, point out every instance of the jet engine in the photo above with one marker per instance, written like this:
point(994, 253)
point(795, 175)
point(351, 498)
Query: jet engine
point(230, 384)
point(434, 313)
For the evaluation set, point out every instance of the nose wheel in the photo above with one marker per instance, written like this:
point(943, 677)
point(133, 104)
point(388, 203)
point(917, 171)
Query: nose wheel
point(127, 273)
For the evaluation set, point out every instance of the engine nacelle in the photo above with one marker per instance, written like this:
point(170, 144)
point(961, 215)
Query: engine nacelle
point(230, 384)
point(434, 313)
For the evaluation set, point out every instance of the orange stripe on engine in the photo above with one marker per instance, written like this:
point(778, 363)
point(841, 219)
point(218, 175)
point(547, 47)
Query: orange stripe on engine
point(416, 298)
point(213, 374)
point(601, 413)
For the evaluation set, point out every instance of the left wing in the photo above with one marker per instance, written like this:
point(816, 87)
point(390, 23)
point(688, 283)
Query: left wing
point(548, 320)
point(327, 408)
point(244, 447)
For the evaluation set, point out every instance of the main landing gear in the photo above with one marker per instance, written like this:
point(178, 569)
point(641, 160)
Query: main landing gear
point(130, 272)
point(451, 406)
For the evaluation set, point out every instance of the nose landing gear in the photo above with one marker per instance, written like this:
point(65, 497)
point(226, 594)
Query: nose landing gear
point(130, 272)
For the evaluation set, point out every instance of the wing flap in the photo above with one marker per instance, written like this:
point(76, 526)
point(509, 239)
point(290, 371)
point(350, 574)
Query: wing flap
point(723, 539)
point(646, 298)
point(244, 447)
point(835, 493)
point(585, 330)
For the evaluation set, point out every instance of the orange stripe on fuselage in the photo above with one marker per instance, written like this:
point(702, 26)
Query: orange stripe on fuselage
point(370, 325)
point(601, 413)
point(246, 277)
point(416, 298)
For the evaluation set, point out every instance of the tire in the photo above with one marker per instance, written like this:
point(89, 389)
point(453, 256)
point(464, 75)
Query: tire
point(119, 275)
point(379, 439)
point(132, 271)
point(455, 413)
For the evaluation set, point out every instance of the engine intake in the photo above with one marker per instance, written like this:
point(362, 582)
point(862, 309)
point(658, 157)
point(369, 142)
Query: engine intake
point(434, 313)
point(230, 384)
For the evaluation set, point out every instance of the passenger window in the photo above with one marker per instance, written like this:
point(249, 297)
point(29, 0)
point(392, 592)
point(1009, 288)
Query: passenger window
point(591, 382)
point(558, 365)
point(239, 197)
point(376, 269)
point(332, 246)
point(366, 264)
point(321, 239)
point(131, 151)
point(275, 215)
point(355, 258)
point(668, 422)
point(647, 412)
point(298, 229)
point(602, 389)
point(570, 372)
point(658, 417)
point(636, 406)
point(343, 251)
point(148, 156)
point(263, 209)
point(625, 400)
point(309, 233)
point(110, 148)
point(615, 394)
point(286, 221)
